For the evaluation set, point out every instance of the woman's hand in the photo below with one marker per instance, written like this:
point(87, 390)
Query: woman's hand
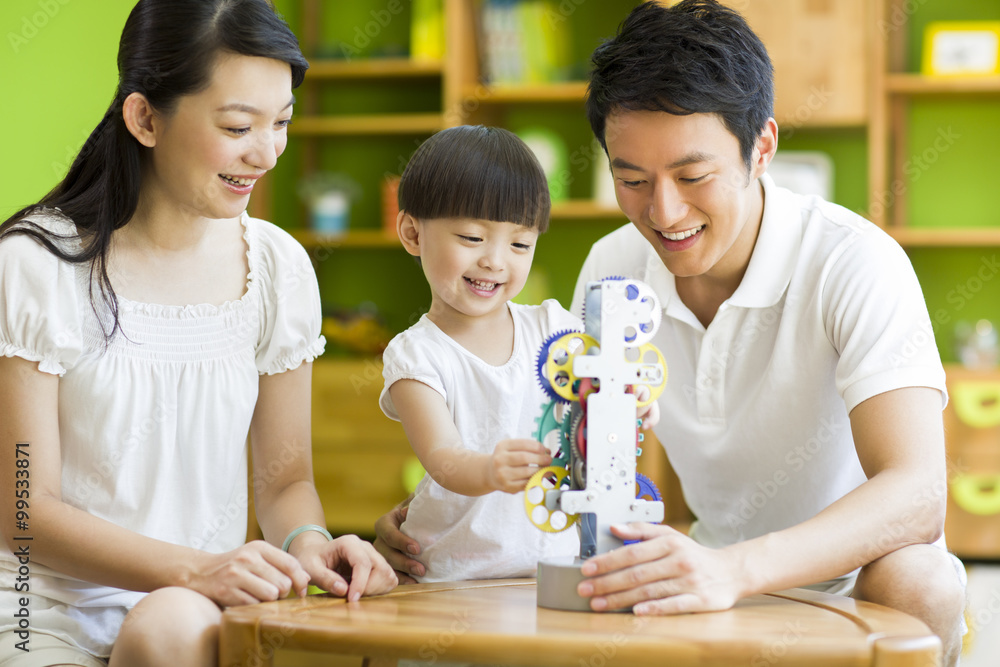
point(514, 462)
point(348, 566)
point(255, 572)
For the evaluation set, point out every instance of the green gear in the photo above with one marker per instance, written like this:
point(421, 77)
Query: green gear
point(547, 423)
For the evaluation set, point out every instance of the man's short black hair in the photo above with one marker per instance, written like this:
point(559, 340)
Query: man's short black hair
point(694, 57)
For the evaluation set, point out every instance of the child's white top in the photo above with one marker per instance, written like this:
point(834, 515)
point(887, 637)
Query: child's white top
point(489, 536)
point(153, 429)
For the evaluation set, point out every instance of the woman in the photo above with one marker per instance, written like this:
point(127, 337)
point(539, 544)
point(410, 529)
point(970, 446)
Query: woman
point(148, 326)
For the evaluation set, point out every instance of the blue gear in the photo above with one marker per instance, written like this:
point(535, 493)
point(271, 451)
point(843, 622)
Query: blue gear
point(543, 356)
point(646, 488)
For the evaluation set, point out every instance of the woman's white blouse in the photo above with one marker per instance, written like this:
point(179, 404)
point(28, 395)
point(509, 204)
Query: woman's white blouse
point(153, 424)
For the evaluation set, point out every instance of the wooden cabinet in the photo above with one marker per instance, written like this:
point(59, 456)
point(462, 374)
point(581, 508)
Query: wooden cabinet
point(820, 51)
point(972, 431)
point(359, 455)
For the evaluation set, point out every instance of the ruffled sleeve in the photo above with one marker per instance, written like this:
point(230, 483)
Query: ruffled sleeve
point(413, 355)
point(39, 306)
point(290, 309)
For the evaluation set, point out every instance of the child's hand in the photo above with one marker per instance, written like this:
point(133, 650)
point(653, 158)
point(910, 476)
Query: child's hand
point(650, 414)
point(514, 462)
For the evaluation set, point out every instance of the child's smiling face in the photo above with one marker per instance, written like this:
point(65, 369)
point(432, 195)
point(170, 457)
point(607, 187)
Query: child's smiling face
point(474, 267)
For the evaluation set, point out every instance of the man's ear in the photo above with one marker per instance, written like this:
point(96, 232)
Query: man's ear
point(408, 230)
point(139, 118)
point(765, 148)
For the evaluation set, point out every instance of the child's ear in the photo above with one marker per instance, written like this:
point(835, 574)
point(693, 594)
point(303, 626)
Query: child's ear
point(409, 232)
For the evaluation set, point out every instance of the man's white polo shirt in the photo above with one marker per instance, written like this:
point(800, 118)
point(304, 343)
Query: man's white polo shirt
point(755, 414)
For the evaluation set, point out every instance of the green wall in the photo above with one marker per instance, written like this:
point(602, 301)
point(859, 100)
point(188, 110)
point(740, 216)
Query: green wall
point(57, 76)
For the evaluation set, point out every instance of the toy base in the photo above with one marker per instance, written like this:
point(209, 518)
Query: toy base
point(557, 581)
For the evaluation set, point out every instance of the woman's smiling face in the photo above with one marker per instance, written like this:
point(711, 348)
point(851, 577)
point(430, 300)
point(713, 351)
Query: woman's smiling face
point(211, 149)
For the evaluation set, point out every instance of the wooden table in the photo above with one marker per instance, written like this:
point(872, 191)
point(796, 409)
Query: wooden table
point(498, 622)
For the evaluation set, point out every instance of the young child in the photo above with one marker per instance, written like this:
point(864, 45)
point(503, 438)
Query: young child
point(473, 201)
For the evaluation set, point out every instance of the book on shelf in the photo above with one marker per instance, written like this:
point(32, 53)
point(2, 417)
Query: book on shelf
point(523, 42)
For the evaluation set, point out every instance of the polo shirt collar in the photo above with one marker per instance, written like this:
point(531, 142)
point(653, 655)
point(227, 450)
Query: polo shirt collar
point(771, 263)
point(775, 252)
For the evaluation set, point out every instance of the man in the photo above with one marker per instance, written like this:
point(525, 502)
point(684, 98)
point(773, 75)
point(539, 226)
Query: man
point(803, 412)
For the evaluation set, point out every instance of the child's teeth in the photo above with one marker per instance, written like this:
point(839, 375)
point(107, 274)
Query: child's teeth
point(238, 181)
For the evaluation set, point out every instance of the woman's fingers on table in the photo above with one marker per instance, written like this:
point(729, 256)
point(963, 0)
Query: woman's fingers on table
point(296, 578)
point(254, 572)
point(370, 573)
point(352, 568)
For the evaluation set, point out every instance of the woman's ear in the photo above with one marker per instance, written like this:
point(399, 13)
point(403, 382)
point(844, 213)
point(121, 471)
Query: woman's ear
point(139, 118)
point(408, 230)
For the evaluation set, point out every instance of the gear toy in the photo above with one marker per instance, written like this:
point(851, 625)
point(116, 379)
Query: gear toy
point(591, 430)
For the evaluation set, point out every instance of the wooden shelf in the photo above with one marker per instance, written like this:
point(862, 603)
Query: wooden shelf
point(918, 84)
point(367, 124)
point(910, 237)
point(374, 68)
point(577, 209)
point(359, 238)
point(568, 91)
point(585, 209)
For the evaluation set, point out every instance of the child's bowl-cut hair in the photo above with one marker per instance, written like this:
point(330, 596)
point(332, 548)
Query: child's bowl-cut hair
point(473, 171)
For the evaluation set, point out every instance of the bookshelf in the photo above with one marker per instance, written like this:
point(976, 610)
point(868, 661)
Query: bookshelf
point(894, 92)
point(818, 87)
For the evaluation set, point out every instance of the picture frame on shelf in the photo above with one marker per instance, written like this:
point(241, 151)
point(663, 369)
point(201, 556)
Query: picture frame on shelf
point(803, 172)
point(961, 48)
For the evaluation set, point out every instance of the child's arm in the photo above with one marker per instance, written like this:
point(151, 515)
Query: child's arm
point(435, 440)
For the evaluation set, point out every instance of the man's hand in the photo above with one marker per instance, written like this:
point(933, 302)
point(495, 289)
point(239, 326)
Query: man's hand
point(666, 573)
point(394, 545)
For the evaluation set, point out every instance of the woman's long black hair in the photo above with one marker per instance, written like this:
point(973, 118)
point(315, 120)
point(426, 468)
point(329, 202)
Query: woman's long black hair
point(168, 49)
